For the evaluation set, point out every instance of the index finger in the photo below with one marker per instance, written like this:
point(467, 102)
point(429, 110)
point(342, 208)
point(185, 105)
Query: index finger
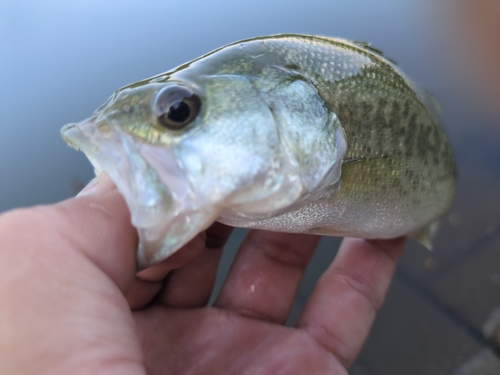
point(342, 307)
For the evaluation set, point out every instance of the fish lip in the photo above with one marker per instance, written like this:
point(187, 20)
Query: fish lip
point(76, 138)
point(68, 128)
point(72, 135)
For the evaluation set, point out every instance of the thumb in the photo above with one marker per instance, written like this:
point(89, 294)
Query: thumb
point(97, 222)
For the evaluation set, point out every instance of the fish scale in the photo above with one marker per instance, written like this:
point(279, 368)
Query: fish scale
point(290, 133)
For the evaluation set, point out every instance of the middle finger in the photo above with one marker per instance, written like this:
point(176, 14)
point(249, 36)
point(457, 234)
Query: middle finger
point(266, 274)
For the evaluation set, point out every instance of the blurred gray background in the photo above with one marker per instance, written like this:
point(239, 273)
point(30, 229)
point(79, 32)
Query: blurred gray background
point(60, 60)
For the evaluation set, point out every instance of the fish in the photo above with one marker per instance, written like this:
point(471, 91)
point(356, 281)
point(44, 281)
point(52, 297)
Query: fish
point(289, 133)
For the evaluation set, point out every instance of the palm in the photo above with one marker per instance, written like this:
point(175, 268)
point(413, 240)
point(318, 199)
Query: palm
point(70, 301)
point(245, 332)
point(215, 341)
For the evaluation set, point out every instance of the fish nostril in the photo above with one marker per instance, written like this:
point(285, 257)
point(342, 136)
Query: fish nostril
point(113, 115)
point(103, 127)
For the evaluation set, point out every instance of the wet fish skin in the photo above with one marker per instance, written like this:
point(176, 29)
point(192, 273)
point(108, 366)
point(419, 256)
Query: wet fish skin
point(296, 133)
point(401, 171)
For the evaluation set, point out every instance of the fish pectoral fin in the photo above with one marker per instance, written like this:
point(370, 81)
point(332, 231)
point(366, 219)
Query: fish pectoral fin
point(426, 235)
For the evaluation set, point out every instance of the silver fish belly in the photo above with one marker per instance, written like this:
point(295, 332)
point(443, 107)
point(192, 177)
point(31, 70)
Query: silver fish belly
point(289, 133)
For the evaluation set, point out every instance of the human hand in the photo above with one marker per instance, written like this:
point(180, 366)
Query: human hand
point(71, 303)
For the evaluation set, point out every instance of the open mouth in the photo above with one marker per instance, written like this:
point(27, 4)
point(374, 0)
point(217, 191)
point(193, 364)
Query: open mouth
point(165, 217)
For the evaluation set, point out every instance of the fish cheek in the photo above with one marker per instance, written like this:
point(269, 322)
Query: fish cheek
point(311, 135)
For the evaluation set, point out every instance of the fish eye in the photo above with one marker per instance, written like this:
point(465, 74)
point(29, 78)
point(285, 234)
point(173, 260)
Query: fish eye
point(176, 107)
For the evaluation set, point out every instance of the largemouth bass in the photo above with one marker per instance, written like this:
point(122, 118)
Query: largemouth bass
point(289, 133)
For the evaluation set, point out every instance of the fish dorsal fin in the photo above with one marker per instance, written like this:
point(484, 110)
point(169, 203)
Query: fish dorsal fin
point(369, 47)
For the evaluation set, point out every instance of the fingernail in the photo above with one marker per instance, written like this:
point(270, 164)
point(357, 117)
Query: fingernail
point(98, 185)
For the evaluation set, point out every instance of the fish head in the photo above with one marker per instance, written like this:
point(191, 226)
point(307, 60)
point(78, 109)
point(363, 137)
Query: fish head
point(188, 146)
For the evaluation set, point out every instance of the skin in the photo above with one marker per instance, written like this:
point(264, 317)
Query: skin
point(71, 301)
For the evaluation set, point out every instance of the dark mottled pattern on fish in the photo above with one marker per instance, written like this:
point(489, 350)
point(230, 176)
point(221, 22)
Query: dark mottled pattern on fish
point(399, 157)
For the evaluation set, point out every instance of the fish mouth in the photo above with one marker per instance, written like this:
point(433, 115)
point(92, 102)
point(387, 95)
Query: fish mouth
point(166, 217)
